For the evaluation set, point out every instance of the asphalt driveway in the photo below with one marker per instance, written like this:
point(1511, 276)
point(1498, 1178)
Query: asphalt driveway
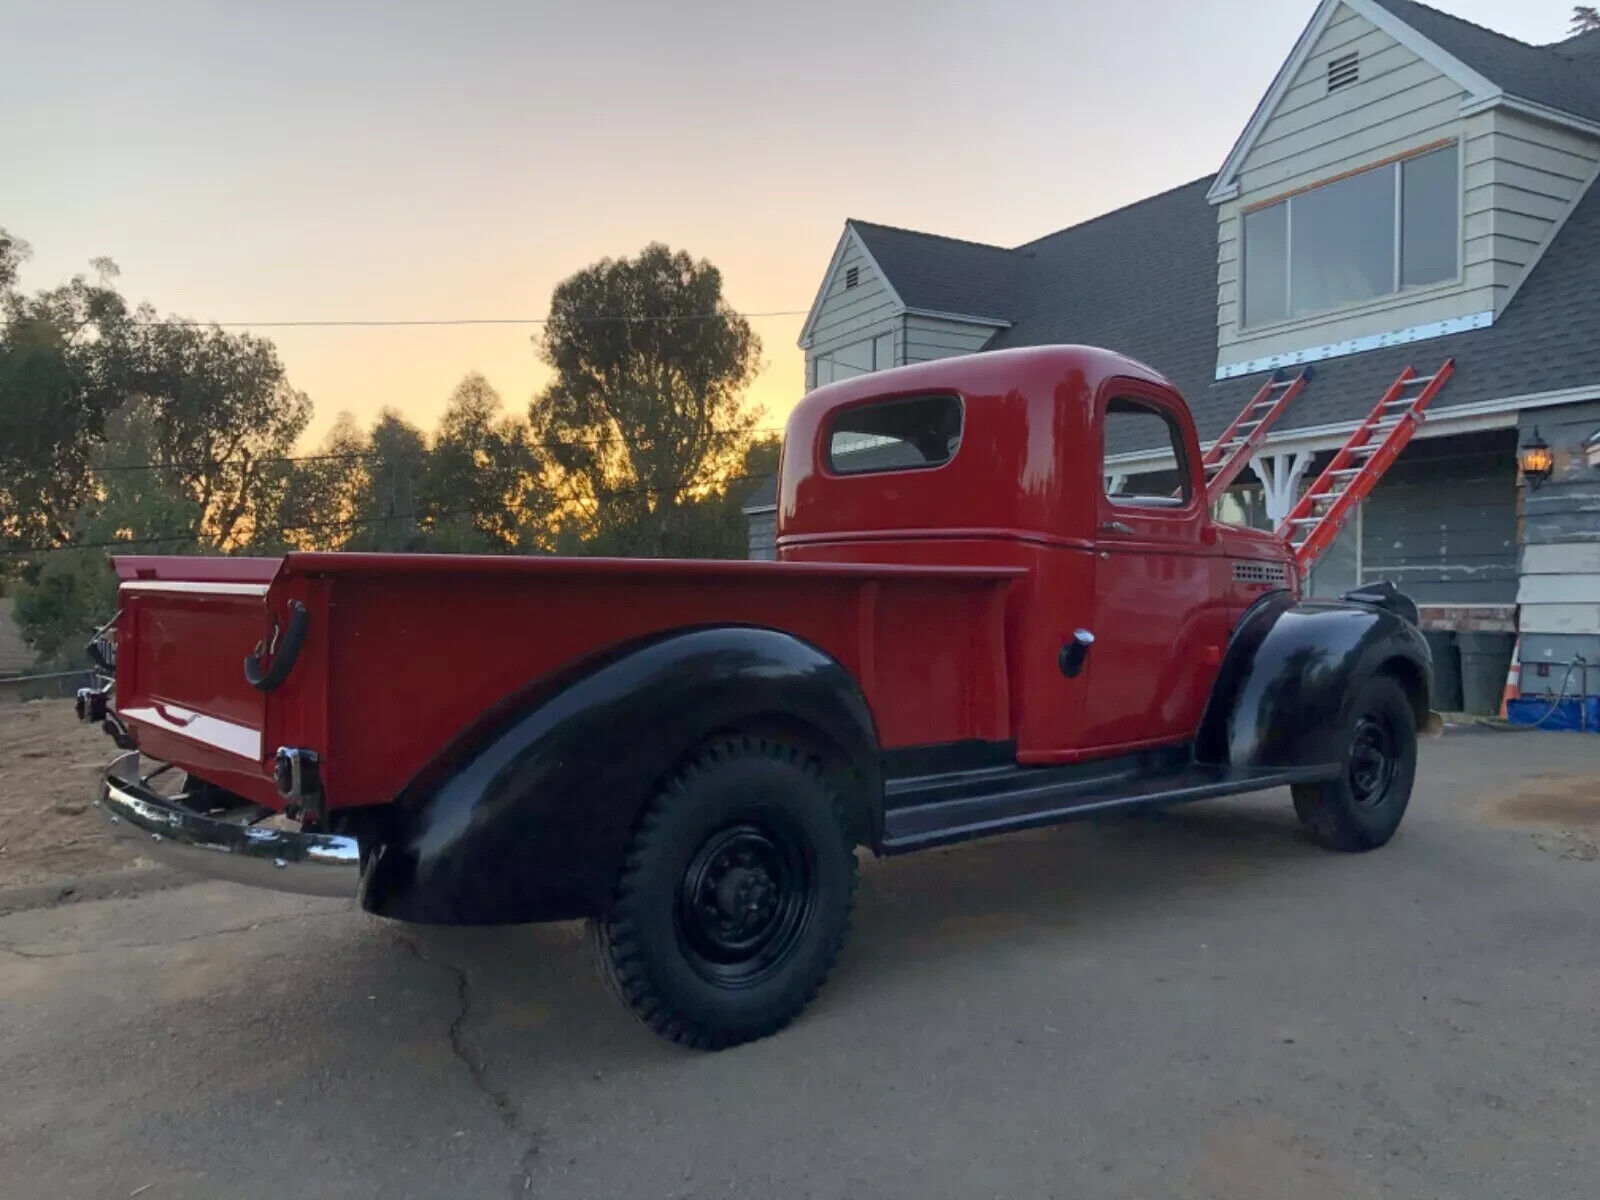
point(1191, 1003)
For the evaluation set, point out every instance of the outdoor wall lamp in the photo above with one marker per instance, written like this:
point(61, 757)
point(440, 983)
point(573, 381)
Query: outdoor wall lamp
point(1591, 449)
point(1535, 459)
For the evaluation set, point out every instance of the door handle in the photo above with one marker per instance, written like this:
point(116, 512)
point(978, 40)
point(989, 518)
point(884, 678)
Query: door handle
point(1115, 527)
point(1073, 654)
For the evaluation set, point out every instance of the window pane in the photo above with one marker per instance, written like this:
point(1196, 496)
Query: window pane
point(1266, 284)
point(893, 435)
point(1341, 242)
point(1134, 425)
point(883, 352)
point(1430, 196)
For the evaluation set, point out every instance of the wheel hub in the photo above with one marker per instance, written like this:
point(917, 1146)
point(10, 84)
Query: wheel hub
point(744, 897)
point(1372, 760)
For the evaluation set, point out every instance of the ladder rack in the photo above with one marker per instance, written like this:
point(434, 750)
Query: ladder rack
point(1230, 452)
point(1314, 523)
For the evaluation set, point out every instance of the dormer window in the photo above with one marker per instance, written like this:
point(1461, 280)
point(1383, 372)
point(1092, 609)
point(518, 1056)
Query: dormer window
point(1357, 237)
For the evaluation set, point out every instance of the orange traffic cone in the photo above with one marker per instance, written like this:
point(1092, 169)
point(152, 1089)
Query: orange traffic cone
point(1513, 690)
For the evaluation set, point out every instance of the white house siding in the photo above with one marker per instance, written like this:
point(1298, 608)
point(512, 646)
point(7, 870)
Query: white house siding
point(1400, 104)
point(849, 316)
point(763, 533)
point(1559, 595)
point(928, 338)
point(1522, 177)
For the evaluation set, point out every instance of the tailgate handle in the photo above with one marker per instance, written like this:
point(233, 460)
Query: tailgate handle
point(282, 656)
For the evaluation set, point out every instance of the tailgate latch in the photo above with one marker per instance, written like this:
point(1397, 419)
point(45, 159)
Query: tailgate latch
point(298, 778)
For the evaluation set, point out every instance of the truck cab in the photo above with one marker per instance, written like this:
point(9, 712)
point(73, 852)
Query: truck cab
point(999, 459)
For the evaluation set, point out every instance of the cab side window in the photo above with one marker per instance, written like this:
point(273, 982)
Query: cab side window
point(1131, 424)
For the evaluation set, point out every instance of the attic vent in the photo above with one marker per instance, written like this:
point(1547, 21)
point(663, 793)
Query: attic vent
point(1344, 70)
point(852, 276)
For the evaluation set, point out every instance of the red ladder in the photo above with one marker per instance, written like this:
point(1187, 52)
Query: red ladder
point(1230, 452)
point(1314, 523)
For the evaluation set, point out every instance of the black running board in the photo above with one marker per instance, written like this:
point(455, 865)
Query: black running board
point(930, 811)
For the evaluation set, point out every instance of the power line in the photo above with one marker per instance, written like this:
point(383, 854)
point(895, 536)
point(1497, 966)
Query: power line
point(349, 455)
point(404, 323)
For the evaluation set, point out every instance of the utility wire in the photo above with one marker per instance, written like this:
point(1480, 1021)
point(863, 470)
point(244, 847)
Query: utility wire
point(185, 323)
point(347, 455)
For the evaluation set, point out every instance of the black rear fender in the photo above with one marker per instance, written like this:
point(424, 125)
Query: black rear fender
point(1279, 697)
point(527, 815)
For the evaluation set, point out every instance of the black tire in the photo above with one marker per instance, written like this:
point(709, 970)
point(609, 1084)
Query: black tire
point(734, 897)
point(1361, 809)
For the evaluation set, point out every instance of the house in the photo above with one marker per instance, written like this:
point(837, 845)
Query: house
point(1412, 188)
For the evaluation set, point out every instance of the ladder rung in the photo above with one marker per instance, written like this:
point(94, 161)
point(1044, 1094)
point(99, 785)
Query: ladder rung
point(1348, 471)
point(1421, 379)
point(1405, 401)
point(1306, 521)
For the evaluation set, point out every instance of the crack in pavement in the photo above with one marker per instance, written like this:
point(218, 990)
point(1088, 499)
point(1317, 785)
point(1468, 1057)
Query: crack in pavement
point(505, 1108)
point(13, 948)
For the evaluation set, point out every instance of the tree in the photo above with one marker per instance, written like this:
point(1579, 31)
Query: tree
point(483, 489)
point(646, 415)
point(66, 356)
point(1585, 18)
point(218, 415)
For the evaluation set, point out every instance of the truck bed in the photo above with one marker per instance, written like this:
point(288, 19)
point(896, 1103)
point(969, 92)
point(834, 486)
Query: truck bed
point(403, 652)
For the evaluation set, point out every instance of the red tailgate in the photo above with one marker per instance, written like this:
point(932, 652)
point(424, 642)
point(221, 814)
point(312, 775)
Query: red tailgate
point(184, 628)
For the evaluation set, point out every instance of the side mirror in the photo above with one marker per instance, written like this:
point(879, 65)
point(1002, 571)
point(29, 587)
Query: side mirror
point(1075, 653)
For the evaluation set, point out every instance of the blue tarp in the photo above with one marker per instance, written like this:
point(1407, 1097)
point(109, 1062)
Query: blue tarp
point(1567, 715)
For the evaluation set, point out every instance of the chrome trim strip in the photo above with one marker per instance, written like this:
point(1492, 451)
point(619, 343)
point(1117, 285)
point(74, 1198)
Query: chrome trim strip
point(311, 864)
point(198, 587)
point(198, 727)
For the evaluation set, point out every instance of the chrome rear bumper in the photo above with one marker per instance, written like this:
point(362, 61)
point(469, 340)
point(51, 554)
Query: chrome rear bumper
point(312, 864)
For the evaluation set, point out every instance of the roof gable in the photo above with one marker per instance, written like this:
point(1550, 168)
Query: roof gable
point(846, 239)
point(1557, 81)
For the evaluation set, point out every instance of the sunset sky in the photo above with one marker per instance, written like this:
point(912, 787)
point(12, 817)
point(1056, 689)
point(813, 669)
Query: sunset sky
point(328, 161)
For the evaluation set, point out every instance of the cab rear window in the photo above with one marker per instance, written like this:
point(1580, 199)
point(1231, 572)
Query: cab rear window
point(904, 434)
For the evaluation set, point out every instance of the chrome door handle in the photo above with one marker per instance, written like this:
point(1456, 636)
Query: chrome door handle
point(1115, 527)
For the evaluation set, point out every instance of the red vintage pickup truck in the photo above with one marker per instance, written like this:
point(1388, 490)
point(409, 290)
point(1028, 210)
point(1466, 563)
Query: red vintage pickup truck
point(974, 627)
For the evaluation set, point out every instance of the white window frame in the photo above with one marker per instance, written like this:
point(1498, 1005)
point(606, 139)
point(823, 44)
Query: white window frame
point(1397, 165)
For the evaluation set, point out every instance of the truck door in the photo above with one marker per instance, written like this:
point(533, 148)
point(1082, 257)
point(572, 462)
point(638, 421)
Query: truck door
point(1160, 621)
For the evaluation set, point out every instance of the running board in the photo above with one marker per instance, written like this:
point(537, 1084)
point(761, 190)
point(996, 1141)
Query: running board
point(932, 810)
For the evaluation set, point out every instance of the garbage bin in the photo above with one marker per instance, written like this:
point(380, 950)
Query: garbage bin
point(1446, 670)
point(1485, 659)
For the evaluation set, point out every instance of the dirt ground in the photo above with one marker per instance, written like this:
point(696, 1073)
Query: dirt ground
point(49, 764)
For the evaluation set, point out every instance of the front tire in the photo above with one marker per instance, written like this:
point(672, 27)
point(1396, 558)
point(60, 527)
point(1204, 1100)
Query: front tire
point(1361, 809)
point(734, 898)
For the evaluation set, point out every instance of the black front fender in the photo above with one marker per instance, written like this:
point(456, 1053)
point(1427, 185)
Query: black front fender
point(1278, 700)
point(527, 815)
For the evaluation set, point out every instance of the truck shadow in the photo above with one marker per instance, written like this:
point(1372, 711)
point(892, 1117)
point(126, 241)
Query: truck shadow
point(539, 982)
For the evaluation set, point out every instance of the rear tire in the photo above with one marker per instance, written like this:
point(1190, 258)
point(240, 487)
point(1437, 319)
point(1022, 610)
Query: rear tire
point(734, 897)
point(1361, 809)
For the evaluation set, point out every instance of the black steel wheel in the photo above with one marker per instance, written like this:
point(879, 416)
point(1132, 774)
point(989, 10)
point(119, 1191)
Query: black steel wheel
point(1363, 806)
point(734, 898)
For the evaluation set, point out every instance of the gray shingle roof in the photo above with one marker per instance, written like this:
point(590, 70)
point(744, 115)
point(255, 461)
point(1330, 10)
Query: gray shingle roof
point(942, 274)
point(1583, 45)
point(1551, 75)
point(1142, 280)
point(764, 495)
